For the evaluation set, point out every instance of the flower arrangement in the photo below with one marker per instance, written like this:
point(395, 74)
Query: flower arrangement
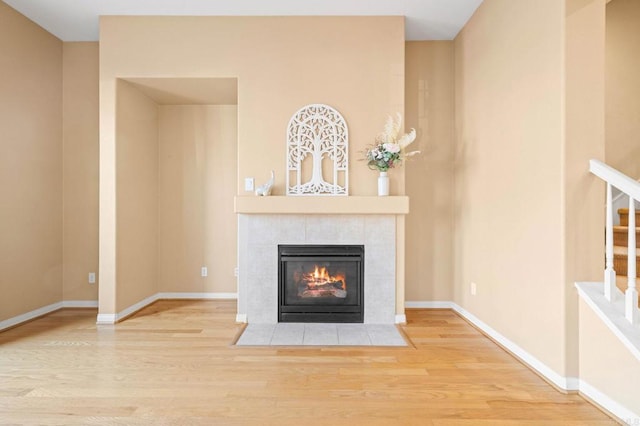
point(388, 151)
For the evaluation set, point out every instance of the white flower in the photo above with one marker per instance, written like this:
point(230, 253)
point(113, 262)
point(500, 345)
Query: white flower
point(407, 139)
point(392, 127)
point(389, 149)
point(392, 147)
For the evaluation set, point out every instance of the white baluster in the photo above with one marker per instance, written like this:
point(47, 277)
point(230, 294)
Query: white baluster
point(609, 272)
point(631, 295)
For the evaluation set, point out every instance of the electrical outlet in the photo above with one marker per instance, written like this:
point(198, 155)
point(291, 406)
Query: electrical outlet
point(92, 277)
point(235, 271)
point(474, 289)
point(248, 184)
point(204, 272)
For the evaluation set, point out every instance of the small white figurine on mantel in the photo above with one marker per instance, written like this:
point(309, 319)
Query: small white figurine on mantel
point(265, 190)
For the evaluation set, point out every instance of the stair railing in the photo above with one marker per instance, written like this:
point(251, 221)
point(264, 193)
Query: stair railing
point(629, 186)
point(620, 200)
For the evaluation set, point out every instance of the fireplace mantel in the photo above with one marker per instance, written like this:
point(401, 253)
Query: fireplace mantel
point(377, 223)
point(395, 205)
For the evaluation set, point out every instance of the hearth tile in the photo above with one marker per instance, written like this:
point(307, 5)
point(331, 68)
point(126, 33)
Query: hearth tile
point(353, 335)
point(288, 334)
point(259, 235)
point(351, 230)
point(379, 300)
point(243, 235)
point(384, 335)
point(380, 230)
point(320, 230)
point(261, 231)
point(320, 334)
point(261, 299)
point(290, 229)
point(315, 334)
point(257, 335)
point(263, 262)
point(382, 258)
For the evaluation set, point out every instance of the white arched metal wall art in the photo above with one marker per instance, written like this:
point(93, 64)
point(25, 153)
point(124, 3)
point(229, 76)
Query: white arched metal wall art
point(317, 139)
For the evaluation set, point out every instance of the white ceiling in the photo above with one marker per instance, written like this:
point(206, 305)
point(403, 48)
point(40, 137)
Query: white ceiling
point(77, 20)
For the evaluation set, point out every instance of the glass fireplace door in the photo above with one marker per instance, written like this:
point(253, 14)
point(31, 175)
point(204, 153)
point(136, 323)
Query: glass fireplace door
point(320, 283)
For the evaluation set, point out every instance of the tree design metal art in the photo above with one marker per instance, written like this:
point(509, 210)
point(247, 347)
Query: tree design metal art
point(318, 131)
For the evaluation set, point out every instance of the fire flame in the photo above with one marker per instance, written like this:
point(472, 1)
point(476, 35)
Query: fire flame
point(321, 275)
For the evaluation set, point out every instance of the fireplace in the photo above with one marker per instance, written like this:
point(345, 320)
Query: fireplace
point(259, 235)
point(320, 283)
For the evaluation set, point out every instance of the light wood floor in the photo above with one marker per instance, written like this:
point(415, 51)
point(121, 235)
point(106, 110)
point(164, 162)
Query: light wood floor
point(173, 363)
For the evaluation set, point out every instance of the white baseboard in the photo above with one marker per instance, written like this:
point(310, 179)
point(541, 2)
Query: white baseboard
point(113, 318)
point(79, 303)
point(28, 316)
point(106, 319)
point(621, 412)
point(136, 307)
point(109, 318)
point(212, 296)
point(401, 319)
point(429, 304)
point(241, 318)
point(566, 383)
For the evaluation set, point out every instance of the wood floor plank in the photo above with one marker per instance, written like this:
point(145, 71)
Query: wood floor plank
point(173, 363)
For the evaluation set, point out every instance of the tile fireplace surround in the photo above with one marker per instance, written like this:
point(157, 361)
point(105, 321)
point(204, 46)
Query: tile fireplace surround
point(265, 222)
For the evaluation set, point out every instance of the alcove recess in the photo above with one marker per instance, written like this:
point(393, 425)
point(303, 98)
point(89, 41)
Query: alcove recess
point(176, 156)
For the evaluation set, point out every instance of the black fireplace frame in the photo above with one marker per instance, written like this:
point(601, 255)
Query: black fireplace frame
point(330, 313)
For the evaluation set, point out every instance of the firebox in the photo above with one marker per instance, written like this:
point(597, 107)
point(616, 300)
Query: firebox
point(320, 283)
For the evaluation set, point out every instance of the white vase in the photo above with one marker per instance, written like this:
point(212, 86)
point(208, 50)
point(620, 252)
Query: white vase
point(383, 184)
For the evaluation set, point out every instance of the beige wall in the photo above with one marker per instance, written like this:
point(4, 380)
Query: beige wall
point(528, 217)
point(137, 196)
point(583, 197)
point(80, 169)
point(429, 99)
point(623, 86)
point(198, 170)
point(355, 64)
point(605, 363)
point(30, 165)
point(508, 173)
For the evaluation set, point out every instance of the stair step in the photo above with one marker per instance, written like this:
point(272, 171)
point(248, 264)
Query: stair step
point(624, 250)
point(621, 236)
point(624, 217)
point(620, 264)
